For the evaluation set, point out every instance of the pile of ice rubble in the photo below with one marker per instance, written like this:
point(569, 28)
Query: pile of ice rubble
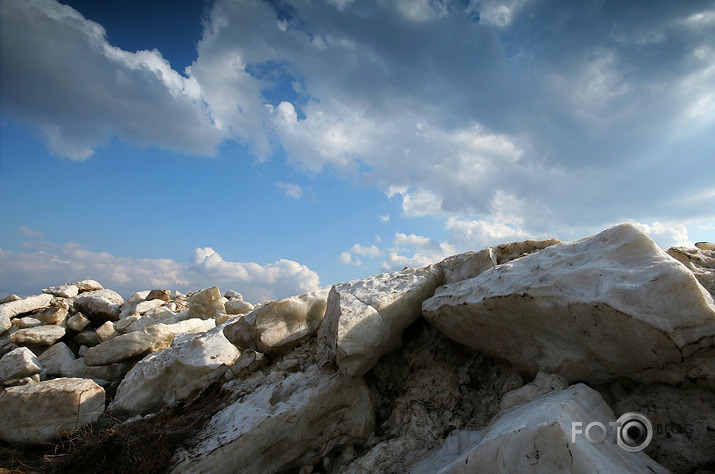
point(479, 363)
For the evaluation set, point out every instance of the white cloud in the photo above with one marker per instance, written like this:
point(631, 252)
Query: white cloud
point(667, 234)
point(60, 73)
point(475, 234)
point(369, 251)
point(503, 223)
point(291, 190)
point(522, 113)
point(393, 190)
point(413, 240)
point(507, 209)
point(233, 97)
point(30, 232)
point(346, 258)
point(384, 219)
point(321, 139)
point(28, 272)
point(411, 250)
point(701, 19)
point(278, 279)
point(418, 202)
point(396, 262)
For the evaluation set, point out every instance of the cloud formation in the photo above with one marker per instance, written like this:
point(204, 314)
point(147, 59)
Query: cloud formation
point(415, 251)
point(466, 234)
point(60, 73)
point(349, 256)
point(29, 232)
point(28, 272)
point(262, 282)
point(667, 235)
point(569, 114)
point(464, 103)
point(291, 190)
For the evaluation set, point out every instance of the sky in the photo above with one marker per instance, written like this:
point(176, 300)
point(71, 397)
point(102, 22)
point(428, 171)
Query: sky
point(275, 147)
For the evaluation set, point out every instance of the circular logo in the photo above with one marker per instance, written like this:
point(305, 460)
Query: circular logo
point(634, 432)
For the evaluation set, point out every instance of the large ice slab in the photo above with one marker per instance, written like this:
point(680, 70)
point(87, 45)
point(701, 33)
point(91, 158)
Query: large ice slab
point(607, 305)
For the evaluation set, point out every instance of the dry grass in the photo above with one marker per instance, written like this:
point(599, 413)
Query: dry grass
point(107, 446)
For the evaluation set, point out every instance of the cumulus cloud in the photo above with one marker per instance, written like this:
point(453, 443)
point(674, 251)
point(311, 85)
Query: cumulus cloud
point(319, 140)
point(667, 235)
point(71, 262)
point(417, 202)
point(411, 250)
point(347, 259)
point(475, 234)
point(512, 110)
point(28, 272)
point(568, 115)
point(278, 279)
point(60, 73)
point(502, 222)
point(369, 251)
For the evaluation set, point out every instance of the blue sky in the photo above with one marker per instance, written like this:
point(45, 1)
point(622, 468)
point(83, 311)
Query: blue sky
point(274, 147)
